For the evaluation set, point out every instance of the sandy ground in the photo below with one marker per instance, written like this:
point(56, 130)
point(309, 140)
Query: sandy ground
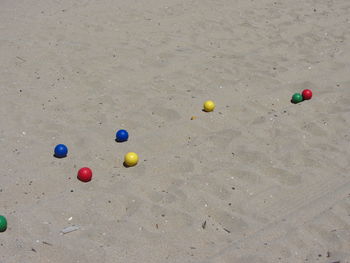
point(257, 180)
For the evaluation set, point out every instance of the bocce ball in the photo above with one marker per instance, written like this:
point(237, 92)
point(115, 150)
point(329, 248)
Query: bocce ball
point(297, 97)
point(3, 224)
point(209, 106)
point(131, 159)
point(122, 136)
point(85, 174)
point(307, 94)
point(61, 151)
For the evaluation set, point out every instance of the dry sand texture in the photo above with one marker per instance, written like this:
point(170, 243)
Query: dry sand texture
point(257, 180)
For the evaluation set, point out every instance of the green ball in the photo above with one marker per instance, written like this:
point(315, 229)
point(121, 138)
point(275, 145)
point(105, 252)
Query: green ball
point(297, 97)
point(3, 224)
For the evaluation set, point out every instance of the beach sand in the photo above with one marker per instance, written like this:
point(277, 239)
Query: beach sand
point(258, 180)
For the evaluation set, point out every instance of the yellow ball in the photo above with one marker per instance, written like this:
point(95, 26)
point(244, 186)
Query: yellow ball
point(209, 106)
point(131, 159)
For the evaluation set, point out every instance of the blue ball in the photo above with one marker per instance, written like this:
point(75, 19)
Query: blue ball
point(122, 136)
point(61, 151)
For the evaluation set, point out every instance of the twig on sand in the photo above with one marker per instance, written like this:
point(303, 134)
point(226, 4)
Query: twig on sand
point(228, 231)
point(69, 229)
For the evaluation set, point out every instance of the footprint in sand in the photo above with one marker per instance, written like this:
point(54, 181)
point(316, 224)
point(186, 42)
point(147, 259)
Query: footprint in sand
point(166, 114)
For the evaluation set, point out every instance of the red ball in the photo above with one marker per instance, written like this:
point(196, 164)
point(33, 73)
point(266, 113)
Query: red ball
point(307, 94)
point(85, 174)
